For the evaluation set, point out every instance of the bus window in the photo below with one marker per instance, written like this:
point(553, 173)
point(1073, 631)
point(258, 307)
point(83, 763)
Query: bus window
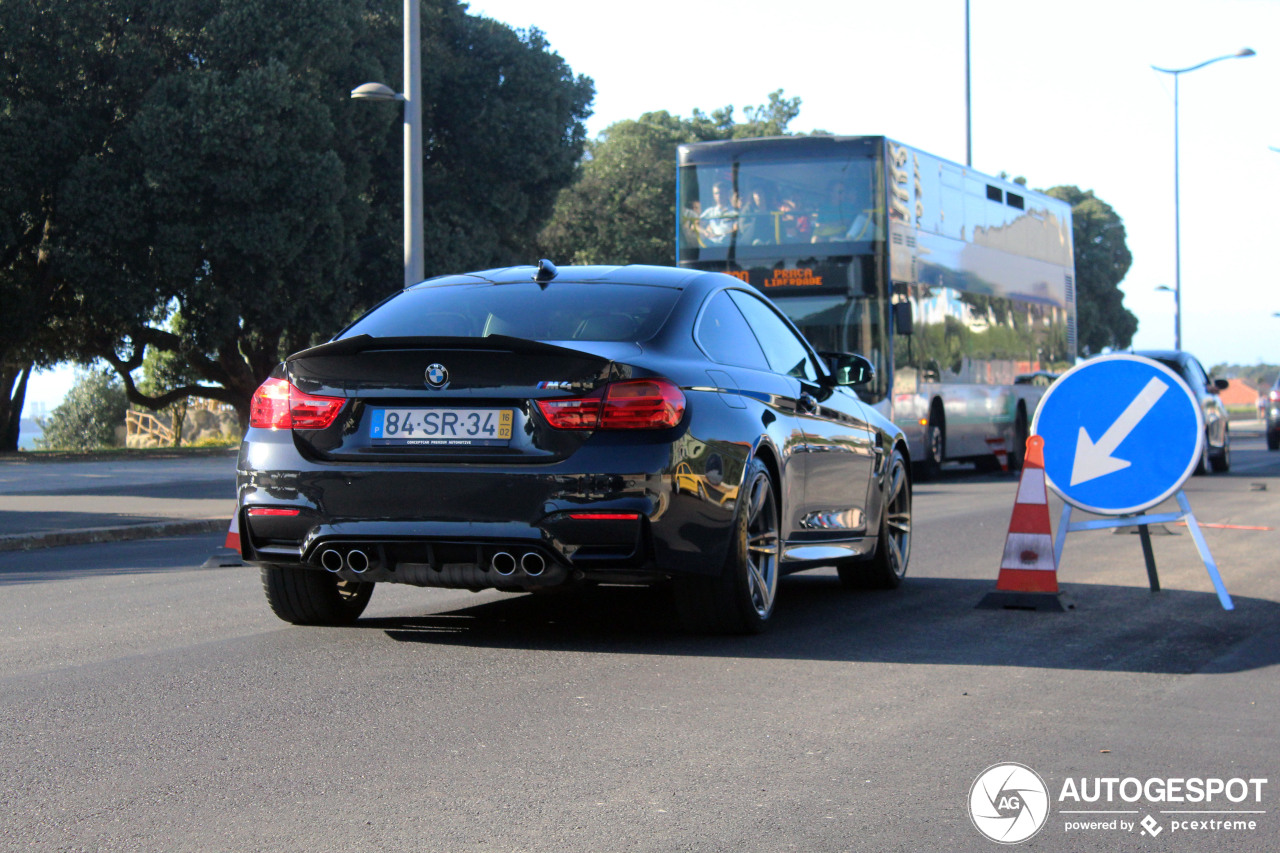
point(753, 208)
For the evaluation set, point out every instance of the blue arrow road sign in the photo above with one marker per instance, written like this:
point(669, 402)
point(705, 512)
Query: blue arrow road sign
point(1121, 434)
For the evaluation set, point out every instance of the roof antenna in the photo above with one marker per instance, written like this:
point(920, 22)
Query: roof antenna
point(546, 272)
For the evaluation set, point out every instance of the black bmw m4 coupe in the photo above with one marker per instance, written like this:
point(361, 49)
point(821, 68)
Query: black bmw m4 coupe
point(530, 428)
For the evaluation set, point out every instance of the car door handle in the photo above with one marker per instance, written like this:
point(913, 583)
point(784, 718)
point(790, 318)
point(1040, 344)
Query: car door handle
point(807, 404)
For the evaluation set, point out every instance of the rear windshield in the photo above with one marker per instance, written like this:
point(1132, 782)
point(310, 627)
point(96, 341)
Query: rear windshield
point(560, 312)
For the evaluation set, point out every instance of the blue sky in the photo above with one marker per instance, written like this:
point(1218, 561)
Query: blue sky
point(1063, 93)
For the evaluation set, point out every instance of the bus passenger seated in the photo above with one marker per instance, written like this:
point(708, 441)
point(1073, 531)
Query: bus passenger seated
point(759, 223)
point(720, 221)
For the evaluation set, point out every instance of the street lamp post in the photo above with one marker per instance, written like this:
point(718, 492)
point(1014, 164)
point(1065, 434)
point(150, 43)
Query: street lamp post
point(968, 99)
point(1177, 213)
point(412, 96)
point(1167, 289)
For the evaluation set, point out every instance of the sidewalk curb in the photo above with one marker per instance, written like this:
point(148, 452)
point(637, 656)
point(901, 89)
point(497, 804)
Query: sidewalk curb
point(123, 533)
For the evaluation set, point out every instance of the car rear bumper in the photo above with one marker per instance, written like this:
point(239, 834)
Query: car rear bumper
point(476, 526)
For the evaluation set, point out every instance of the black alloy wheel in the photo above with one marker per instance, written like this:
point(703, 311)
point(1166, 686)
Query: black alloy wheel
point(741, 600)
point(1202, 464)
point(1222, 462)
point(888, 566)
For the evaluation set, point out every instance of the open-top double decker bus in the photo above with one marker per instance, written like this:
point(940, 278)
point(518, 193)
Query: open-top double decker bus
point(958, 286)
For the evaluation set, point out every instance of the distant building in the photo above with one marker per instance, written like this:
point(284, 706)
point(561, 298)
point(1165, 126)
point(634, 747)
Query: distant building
point(1239, 393)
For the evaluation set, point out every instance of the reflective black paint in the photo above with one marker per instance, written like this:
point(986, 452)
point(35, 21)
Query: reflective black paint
point(435, 511)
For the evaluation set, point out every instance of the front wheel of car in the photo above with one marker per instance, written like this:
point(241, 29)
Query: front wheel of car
point(1222, 462)
point(308, 597)
point(1273, 439)
point(1202, 464)
point(888, 566)
point(741, 600)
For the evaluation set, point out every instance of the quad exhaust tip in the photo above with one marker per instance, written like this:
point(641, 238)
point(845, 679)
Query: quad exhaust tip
point(357, 561)
point(331, 560)
point(503, 563)
point(533, 564)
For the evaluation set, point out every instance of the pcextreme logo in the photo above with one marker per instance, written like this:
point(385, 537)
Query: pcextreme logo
point(1009, 803)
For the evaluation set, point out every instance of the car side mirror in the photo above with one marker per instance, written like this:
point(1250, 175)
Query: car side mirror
point(1221, 384)
point(902, 318)
point(849, 368)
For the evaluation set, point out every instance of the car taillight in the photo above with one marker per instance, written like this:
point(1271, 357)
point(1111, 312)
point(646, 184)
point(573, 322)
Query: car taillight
point(631, 404)
point(1275, 396)
point(278, 405)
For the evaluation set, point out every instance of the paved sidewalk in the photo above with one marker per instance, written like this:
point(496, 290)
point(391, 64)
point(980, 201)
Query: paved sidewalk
point(46, 503)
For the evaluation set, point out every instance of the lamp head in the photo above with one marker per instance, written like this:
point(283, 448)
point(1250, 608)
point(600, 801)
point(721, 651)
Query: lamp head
point(375, 92)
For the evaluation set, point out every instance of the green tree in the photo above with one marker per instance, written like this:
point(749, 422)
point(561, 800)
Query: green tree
point(164, 370)
point(229, 173)
point(89, 415)
point(621, 206)
point(1102, 259)
point(63, 93)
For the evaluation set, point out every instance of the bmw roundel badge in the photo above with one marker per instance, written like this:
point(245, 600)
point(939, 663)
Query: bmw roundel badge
point(437, 376)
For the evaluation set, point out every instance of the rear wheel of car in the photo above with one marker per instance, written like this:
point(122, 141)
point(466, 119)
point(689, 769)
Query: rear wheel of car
point(309, 597)
point(1273, 440)
point(1222, 462)
point(741, 600)
point(888, 566)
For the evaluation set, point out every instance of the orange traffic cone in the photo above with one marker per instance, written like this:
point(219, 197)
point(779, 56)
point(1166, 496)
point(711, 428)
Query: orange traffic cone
point(233, 534)
point(1028, 570)
point(1002, 456)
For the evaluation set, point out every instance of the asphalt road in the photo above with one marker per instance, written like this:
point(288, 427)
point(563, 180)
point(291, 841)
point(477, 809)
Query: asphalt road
point(150, 704)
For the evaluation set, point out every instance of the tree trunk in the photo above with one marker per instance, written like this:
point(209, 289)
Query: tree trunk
point(11, 402)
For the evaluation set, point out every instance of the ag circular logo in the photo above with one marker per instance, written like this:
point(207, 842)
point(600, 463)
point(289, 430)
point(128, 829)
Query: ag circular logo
point(437, 375)
point(1008, 803)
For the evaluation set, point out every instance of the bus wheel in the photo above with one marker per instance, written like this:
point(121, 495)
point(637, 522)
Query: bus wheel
point(935, 448)
point(1020, 435)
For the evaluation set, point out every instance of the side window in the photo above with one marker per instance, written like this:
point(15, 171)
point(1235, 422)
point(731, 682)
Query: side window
point(726, 337)
point(1197, 377)
point(786, 352)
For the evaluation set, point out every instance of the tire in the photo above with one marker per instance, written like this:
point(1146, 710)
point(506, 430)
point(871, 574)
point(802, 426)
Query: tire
point(310, 597)
point(1222, 462)
point(741, 600)
point(1202, 464)
point(935, 448)
point(888, 566)
point(1021, 432)
point(1273, 440)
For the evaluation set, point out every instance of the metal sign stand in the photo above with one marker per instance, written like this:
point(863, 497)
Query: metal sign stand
point(1141, 522)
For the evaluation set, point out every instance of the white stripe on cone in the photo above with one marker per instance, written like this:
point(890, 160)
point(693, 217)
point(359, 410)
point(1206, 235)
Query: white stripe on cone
point(1028, 551)
point(1032, 489)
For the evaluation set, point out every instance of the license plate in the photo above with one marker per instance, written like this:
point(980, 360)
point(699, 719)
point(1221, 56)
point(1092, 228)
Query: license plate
point(441, 427)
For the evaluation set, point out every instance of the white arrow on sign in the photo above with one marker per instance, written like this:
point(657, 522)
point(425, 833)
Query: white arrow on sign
point(1094, 459)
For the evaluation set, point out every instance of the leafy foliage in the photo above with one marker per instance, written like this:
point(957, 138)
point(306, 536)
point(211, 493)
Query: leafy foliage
point(1261, 376)
point(89, 415)
point(205, 154)
point(1102, 260)
point(621, 207)
point(164, 370)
